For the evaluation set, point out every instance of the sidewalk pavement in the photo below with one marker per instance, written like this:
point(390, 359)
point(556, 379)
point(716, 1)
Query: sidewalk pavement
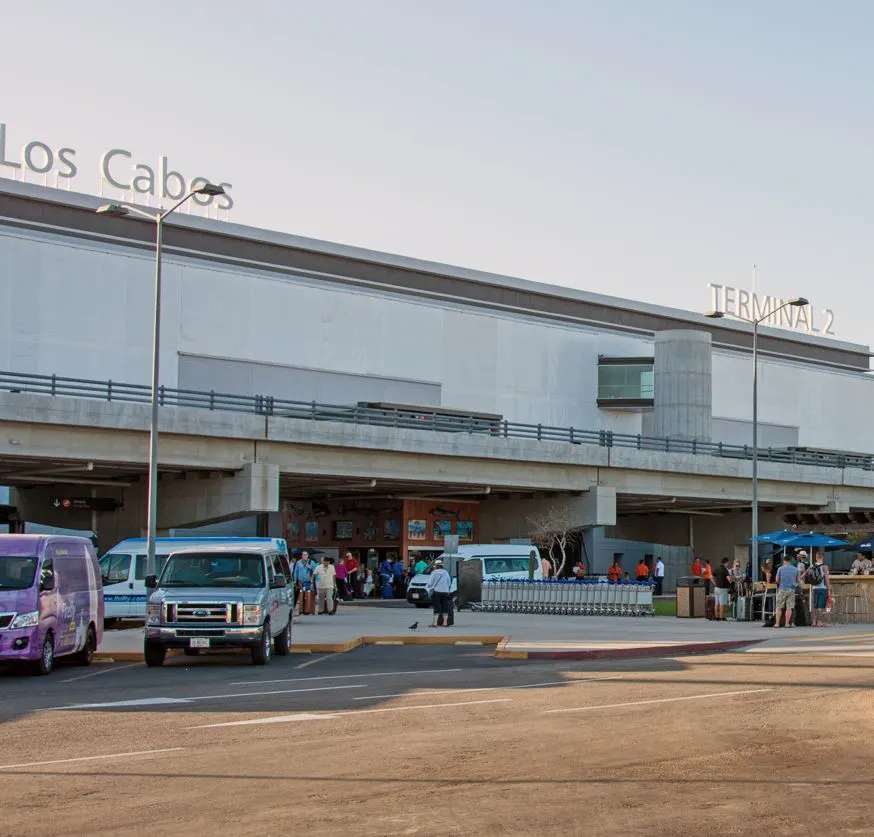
point(517, 636)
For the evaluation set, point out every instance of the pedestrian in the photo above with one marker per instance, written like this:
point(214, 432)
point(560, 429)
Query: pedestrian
point(579, 570)
point(439, 585)
point(420, 567)
point(819, 580)
point(722, 583)
point(659, 576)
point(368, 584)
point(353, 585)
point(326, 582)
point(303, 578)
point(787, 582)
point(386, 573)
point(697, 567)
point(340, 571)
point(545, 567)
point(614, 573)
point(861, 566)
point(642, 570)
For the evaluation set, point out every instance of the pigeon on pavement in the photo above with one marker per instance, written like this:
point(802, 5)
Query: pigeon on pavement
point(414, 626)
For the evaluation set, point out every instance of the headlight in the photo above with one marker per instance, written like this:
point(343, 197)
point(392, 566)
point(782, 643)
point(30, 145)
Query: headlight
point(26, 620)
point(252, 614)
point(153, 614)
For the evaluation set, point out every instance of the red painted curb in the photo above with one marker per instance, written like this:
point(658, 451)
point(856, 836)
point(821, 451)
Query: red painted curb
point(654, 651)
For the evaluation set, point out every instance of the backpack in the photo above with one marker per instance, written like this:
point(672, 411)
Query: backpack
point(815, 575)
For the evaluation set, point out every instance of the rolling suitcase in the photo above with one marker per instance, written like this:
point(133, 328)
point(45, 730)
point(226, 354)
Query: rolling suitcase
point(710, 607)
point(307, 602)
point(743, 610)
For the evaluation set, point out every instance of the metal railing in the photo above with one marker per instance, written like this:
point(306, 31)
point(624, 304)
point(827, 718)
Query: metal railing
point(268, 405)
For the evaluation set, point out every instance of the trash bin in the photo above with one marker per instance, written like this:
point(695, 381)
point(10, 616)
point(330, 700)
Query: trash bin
point(691, 597)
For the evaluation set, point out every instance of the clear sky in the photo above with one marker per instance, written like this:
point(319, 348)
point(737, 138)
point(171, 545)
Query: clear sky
point(641, 148)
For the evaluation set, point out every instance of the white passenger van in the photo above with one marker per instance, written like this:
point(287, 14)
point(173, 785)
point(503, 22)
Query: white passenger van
point(124, 569)
point(499, 560)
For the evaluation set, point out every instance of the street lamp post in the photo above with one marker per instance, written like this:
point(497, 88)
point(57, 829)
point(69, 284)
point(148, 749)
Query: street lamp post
point(796, 302)
point(119, 211)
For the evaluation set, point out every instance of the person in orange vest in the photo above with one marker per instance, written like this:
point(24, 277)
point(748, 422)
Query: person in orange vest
point(615, 571)
point(642, 570)
point(697, 567)
point(707, 572)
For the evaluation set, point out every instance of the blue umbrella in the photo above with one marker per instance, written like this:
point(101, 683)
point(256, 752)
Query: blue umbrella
point(778, 538)
point(813, 539)
point(866, 546)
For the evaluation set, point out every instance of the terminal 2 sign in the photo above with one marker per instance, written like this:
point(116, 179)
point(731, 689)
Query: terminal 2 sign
point(117, 168)
point(748, 305)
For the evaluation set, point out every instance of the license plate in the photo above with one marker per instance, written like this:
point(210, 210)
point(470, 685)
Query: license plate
point(198, 642)
point(415, 595)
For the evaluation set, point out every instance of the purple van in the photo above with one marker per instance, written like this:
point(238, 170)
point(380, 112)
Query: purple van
point(51, 600)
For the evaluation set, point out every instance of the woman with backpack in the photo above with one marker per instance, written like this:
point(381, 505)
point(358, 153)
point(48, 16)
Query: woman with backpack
point(818, 578)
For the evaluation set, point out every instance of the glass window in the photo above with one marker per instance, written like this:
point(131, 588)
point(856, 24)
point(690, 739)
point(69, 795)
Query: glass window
point(505, 564)
point(205, 569)
point(115, 567)
point(140, 566)
point(47, 573)
point(17, 573)
point(620, 381)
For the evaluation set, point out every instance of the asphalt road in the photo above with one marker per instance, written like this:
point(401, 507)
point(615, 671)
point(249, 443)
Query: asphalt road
point(426, 740)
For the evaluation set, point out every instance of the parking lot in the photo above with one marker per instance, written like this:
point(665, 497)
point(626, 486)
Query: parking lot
point(441, 740)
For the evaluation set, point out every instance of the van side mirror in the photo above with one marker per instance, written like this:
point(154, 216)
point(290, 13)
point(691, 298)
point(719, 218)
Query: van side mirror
point(278, 582)
point(151, 582)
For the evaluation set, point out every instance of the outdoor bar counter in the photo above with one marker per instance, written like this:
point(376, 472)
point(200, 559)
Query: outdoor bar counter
point(852, 599)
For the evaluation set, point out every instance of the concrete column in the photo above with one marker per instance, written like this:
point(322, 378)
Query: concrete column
point(682, 374)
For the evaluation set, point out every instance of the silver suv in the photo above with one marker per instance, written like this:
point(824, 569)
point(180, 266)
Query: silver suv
point(220, 597)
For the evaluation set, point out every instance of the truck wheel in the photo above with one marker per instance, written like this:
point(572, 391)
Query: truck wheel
point(282, 643)
point(86, 655)
point(46, 662)
point(109, 624)
point(154, 654)
point(261, 651)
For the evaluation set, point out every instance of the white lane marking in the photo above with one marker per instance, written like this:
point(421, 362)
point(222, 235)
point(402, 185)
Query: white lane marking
point(90, 758)
point(98, 673)
point(283, 719)
point(154, 701)
point(489, 688)
point(343, 676)
point(316, 660)
point(658, 700)
point(159, 700)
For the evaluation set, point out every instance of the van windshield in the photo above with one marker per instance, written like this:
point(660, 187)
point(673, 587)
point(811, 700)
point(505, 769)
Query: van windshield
point(505, 564)
point(206, 569)
point(17, 572)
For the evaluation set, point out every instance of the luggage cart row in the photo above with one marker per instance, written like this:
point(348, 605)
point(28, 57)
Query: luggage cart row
point(568, 597)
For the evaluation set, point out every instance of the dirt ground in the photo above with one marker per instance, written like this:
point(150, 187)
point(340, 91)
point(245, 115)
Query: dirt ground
point(717, 745)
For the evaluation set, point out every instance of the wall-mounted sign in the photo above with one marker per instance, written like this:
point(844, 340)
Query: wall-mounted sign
point(103, 504)
point(752, 306)
point(117, 169)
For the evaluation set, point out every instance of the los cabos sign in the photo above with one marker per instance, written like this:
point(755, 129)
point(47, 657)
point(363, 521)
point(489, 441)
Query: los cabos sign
point(117, 168)
point(767, 309)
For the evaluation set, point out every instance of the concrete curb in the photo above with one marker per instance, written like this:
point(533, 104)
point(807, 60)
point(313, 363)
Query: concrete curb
point(338, 647)
point(623, 653)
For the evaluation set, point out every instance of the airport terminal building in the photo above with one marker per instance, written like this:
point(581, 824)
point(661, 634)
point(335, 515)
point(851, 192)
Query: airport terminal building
point(252, 312)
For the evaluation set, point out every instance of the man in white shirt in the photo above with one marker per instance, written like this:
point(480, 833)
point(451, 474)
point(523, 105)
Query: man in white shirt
point(326, 581)
point(659, 575)
point(439, 585)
